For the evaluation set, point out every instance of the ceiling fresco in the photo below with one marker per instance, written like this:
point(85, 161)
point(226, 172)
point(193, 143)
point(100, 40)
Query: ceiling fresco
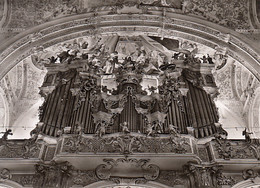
point(232, 14)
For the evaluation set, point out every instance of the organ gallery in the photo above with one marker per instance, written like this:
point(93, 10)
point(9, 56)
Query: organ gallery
point(130, 106)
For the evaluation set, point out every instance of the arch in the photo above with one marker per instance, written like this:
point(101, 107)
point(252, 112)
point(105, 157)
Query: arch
point(254, 114)
point(109, 184)
point(9, 184)
point(6, 13)
point(252, 183)
point(6, 109)
point(253, 14)
point(172, 25)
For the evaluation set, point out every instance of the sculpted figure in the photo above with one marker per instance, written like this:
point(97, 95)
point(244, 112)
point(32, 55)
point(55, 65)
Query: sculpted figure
point(101, 130)
point(173, 130)
point(6, 133)
point(247, 135)
point(149, 130)
point(158, 127)
point(125, 127)
point(37, 129)
point(108, 68)
point(78, 129)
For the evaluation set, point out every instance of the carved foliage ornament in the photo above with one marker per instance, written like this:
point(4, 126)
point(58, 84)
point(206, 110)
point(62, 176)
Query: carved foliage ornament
point(84, 177)
point(224, 180)
point(74, 144)
point(53, 174)
point(126, 144)
point(15, 149)
point(88, 84)
point(234, 150)
point(202, 175)
point(173, 178)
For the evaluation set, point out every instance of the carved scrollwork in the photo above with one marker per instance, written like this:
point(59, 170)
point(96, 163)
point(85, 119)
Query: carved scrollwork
point(172, 178)
point(234, 150)
point(88, 84)
point(127, 144)
point(170, 89)
point(74, 144)
point(27, 180)
point(224, 149)
point(84, 177)
point(5, 174)
point(28, 148)
point(140, 167)
point(103, 171)
point(178, 144)
point(152, 172)
point(249, 174)
point(128, 180)
point(225, 180)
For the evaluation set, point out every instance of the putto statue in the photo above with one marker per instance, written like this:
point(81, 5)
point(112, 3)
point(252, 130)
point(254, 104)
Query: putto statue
point(101, 129)
point(124, 127)
point(173, 130)
point(149, 130)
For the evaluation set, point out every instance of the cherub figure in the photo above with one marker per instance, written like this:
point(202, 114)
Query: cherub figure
point(158, 127)
point(78, 129)
point(124, 126)
point(173, 130)
point(149, 129)
point(101, 130)
point(37, 129)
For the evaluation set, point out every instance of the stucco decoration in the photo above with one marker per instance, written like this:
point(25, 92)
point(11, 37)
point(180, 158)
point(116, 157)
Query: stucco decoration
point(19, 90)
point(230, 14)
point(141, 169)
point(126, 144)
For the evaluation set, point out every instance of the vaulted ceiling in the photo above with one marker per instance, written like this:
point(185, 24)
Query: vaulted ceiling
point(32, 31)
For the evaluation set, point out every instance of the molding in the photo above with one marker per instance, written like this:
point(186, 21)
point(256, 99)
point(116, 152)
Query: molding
point(104, 184)
point(6, 108)
point(10, 184)
point(175, 26)
point(252, 183)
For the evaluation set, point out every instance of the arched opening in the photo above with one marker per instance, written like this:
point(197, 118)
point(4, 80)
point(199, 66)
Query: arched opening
point(9, 184)
point(254, 115)
point(4, 112)
point(252, 183)
point(109, 184)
